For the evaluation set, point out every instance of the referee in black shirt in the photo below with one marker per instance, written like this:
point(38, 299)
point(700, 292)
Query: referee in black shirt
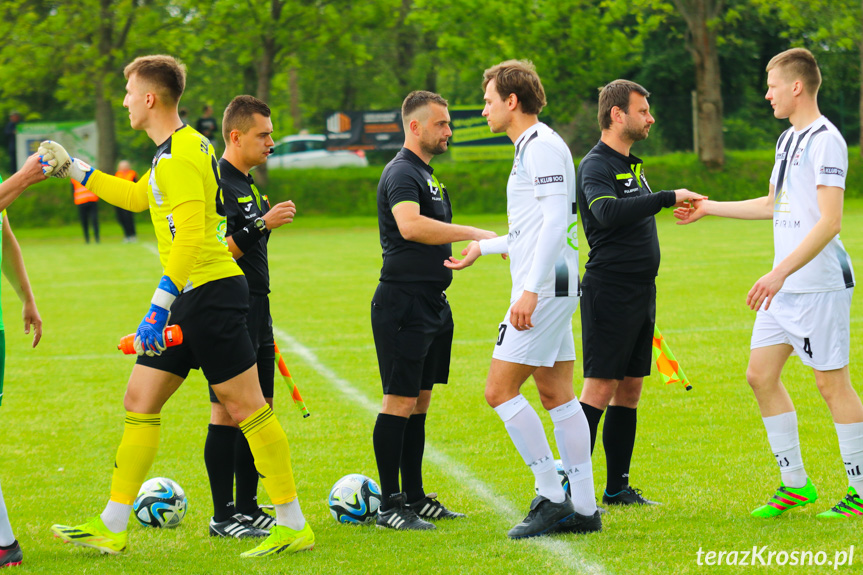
point(247, 130)
point(411, 318)
point(618, 302)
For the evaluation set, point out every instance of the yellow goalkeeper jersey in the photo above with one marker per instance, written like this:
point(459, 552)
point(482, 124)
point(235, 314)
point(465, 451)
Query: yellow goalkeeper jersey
point(185, 168)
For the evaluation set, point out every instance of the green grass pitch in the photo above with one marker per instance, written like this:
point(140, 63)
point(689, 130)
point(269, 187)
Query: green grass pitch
point(703, 453)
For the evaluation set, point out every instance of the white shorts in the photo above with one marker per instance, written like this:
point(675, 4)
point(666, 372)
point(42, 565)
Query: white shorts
point(816, 325)
point(548, 341)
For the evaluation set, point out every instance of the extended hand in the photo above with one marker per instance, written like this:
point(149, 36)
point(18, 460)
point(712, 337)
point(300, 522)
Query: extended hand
point(471, 253)
point(693, 212)
point(764, 290)
point(684, 197)
point(280, 214)
point(33, 170)
point(521, 312)
point(149, 337)
point(56, 162)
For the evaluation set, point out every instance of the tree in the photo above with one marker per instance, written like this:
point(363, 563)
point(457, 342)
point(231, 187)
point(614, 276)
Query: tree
point(831, 29)
point(84, 45)
point(702, 20)
point(275, 34)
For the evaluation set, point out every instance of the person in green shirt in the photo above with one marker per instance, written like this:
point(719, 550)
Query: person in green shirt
point(12, 265)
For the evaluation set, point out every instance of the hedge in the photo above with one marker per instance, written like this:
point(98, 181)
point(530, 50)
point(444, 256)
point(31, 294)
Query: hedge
point(474, 188)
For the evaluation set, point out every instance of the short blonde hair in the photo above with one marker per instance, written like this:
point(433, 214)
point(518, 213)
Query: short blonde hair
point(798, 64)
point(166, 74)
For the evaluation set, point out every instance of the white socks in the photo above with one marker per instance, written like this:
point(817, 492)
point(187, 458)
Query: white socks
point(851, 448)
point(527, 434)
point(290, 515)
point(116, 516)
point(782, 434)
point(785, 443)
point(573, 442)
point(6, 536)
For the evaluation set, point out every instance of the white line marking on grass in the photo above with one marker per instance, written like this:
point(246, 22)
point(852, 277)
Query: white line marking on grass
point(150, 247)
point(561, 548)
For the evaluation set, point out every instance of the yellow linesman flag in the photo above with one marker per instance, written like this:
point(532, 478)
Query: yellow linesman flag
point(666, 363)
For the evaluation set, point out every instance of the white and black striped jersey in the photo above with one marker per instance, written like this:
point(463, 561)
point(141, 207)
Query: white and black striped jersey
point(814, 156)
point(542, 166)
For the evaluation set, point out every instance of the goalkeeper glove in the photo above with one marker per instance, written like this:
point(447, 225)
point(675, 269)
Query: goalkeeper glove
point(56, 162)
point(149, 338)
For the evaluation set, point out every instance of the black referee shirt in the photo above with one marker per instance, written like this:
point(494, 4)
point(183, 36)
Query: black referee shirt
point(408, 179)
point(617, 209)
point(244, 204)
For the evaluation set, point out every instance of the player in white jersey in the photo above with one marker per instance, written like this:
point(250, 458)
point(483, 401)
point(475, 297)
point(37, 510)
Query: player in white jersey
point(804, 302)
point(535, 337)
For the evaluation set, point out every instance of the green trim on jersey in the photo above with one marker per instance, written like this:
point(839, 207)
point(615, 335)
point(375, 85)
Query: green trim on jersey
point(406, 202)
point(257, 196)
point(436, 182)
point(636, 173)
point(603, 197)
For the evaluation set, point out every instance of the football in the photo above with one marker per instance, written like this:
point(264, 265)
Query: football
point(564, 480)
point(355, 499)
point(161, 502)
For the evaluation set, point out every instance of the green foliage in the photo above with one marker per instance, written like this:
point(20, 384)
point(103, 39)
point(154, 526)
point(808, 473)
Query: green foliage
point(75, 48)
point(831, 29)
point(331, 55)
point(747, 40)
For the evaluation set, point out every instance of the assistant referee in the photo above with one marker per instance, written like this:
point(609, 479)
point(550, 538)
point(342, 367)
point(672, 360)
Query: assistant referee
point(247, 130)
point(411, 317)
point(618, 302)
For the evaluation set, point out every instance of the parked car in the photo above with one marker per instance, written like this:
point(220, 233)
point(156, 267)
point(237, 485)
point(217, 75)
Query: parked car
point(309, 151)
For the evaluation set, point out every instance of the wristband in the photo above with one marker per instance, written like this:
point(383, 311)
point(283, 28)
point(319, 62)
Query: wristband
point(165, 294)
point(247, 237)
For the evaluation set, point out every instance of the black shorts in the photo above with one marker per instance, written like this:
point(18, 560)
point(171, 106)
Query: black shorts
point(215, 337)
point(617, 322)
point(413, 328)
point(260, 324)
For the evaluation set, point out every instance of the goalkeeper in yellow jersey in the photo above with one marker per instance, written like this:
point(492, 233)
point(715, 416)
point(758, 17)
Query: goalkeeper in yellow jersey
point(203, 291)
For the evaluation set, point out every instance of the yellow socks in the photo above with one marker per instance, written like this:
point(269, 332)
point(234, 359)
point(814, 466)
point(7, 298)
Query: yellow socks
point(269, 445)
point(135, 455)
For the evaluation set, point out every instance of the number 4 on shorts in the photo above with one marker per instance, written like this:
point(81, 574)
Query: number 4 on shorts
point(807, 347)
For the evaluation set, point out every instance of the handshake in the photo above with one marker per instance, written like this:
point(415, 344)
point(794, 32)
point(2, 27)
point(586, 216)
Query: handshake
point(56, 163)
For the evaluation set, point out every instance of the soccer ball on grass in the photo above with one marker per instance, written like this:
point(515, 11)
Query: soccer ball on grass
point(161, 502)
point(355, 499)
